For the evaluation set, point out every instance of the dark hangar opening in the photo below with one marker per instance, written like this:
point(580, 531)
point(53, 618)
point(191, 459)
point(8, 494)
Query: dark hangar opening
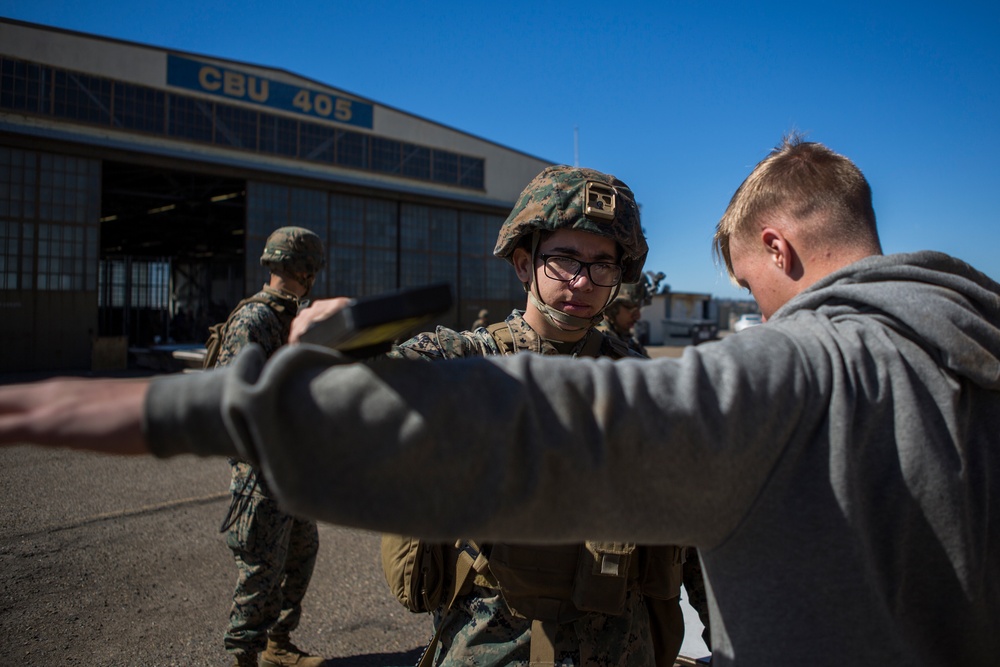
point(172, 249)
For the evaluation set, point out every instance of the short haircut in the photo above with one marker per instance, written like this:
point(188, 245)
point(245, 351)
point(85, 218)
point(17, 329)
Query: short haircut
point(823, 191)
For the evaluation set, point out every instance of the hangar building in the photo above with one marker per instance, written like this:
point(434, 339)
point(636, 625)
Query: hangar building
point(138, 184)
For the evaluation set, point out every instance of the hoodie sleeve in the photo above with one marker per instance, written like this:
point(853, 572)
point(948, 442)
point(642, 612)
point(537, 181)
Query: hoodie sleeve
point(524, 447)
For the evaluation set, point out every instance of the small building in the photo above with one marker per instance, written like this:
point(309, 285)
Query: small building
point(679, 318)
point(138, 185)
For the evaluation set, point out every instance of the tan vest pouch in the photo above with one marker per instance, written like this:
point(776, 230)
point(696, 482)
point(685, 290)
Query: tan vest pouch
point(661, 568)
point(414, 571)
point(602, 576)
point(537, 581)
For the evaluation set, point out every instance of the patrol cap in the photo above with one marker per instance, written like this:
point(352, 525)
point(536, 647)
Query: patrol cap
point(563, 197)
point(294, 250)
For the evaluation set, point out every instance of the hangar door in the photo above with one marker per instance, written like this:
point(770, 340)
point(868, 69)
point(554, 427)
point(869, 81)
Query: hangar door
point(172, 249)
point(49, 206)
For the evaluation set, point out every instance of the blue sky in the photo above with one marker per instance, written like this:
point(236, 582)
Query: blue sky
point(678, 99)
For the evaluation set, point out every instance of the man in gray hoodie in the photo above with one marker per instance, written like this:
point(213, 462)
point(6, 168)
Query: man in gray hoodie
point(851, 445)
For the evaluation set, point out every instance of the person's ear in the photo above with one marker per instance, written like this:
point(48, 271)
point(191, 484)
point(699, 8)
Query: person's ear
point(779, 249)
point(521, 259)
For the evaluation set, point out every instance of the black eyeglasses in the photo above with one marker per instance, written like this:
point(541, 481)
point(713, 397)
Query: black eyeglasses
point(603, 274)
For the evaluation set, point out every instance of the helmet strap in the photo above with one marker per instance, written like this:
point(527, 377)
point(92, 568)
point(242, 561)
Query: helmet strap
point(559, 319)
point(307, 280)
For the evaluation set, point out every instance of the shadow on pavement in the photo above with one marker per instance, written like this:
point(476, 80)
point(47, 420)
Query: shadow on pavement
point(399, 658)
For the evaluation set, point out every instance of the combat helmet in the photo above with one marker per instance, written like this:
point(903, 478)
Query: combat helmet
point(294, 250)
point(563, 197)
point(635, 294)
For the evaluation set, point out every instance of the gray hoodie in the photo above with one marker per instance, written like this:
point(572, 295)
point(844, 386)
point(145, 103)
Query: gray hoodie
point(835, 466)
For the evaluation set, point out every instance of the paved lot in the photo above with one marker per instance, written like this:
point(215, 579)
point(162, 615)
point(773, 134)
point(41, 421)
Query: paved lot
point(118, 561)
point(112, 561)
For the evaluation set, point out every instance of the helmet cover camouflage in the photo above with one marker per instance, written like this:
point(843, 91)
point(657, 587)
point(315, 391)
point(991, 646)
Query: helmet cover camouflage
point(563, 197)
point(635, 294)
point(294, 250)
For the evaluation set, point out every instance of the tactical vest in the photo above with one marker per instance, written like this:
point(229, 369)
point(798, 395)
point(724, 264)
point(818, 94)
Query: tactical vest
point(499, 339)
point(217, 332)
point(546, 584)
point(556, 584)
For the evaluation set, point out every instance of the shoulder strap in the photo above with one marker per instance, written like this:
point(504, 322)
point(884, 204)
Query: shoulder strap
point(592, 346)
point(606, 346)
point(470, 561)
point(217, 332)
point(257, 298)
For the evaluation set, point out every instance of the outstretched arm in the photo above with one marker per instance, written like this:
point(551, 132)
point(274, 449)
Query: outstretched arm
point(97, 415)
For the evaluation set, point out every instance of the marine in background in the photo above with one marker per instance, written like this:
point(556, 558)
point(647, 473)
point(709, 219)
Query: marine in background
point(482, 320)
point(274, 552)
point(624, 313)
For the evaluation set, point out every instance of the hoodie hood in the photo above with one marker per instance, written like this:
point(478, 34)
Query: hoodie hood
point(954, 307)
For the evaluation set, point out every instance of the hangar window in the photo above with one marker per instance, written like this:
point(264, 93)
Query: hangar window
point(484, 278)
point(352, 149)
point(67, 235)
point(60, 257)
point(133, 282)
point(279, 135)
point(10, 253)
point(380, 224)
point(347, 220)
point(81, 97)
point(474, 255)
point(445, 167)
point(190, 118)
point(139, 108)
point(416, 161)
point(363, 235)
point(23, 86)
point(470, 171)
point(385, 155)
point(429, 245)
point(318, 142)
point(236, 127)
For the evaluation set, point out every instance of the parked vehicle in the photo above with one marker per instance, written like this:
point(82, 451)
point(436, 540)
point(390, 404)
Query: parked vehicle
point(746, 321)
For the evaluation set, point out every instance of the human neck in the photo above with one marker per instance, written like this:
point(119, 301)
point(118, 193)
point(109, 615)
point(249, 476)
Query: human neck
point(288, 285)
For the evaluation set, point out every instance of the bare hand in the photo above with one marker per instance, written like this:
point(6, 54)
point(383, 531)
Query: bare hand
point(316, 312)
point(97, 415)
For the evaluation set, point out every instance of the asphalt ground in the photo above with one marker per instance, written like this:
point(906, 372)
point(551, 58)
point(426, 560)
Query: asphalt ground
point(119, 561)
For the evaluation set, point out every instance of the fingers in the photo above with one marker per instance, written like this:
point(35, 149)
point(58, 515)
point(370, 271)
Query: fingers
point(95, 415)
point(318, 311)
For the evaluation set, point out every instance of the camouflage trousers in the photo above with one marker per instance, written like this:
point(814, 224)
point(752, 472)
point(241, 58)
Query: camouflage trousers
point(275, 554)
point(480, 631)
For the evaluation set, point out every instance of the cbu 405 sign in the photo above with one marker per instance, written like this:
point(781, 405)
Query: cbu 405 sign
point(237, 85)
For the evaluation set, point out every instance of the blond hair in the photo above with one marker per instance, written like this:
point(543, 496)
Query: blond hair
point(822, 191)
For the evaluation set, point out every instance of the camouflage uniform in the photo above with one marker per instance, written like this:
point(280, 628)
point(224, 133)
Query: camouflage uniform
point(275, 552)
point(479, 629)
point(632, 295)
point(608, 328)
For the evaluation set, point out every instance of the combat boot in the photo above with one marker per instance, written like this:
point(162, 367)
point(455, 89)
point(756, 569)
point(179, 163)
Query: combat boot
point(281, 652)
point(245, 660)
